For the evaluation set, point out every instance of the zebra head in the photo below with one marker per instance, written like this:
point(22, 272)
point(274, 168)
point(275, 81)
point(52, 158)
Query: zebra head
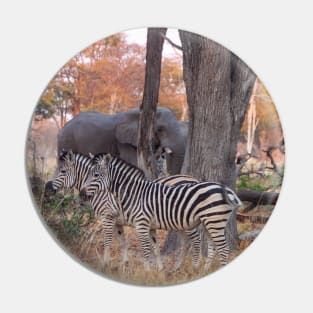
point(98, 179)
point(66, 173)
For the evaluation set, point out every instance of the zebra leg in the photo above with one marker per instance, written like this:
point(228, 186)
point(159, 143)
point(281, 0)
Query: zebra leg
point(217, 235)
point(143, 232)
point(156, 249)
point(194, 236)
point(108, 229)
point(211, 254)
point(123, 245)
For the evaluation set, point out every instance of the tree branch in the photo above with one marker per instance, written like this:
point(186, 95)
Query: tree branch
point(251, 172)
point(253, 219)
point(269, 154)
point(171, 42)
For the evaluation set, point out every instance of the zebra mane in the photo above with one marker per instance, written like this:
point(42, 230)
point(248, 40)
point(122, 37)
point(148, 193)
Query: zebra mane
point(65, 155)
point(116, 159)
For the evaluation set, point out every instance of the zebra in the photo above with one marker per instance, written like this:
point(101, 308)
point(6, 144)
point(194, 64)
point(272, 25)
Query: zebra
point(73, 171)
point(161, 163)
point(151, 205)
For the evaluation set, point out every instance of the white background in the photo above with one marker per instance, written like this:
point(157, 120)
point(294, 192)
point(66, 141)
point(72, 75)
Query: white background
point(274, 38)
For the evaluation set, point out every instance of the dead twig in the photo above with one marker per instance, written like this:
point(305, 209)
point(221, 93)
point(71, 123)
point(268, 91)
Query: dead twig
point(269, 154)
point(174, 45)
point(253, 219)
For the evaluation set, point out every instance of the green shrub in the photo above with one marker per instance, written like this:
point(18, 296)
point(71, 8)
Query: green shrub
point(254, 182)
point(66, 213)
point(80, 216)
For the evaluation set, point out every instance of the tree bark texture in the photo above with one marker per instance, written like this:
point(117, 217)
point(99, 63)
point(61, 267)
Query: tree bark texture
point(145, 155)
point(218, 87)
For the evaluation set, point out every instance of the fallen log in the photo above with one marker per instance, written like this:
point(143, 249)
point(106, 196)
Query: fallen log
point(258, 197)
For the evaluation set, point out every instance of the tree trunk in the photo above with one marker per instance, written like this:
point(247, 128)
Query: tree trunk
point(75, 107)
point(145, 155)
point(218, 87)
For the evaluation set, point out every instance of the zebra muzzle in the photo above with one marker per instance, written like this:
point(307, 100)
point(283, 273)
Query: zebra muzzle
point(49, 189)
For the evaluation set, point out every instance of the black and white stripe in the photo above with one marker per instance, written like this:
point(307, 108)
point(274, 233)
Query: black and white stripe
point(73, 172)
point(149, 205)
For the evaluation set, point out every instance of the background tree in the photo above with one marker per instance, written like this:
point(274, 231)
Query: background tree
point(108, 77)
point(146, 125)
point(218, 87)
point(172, 92)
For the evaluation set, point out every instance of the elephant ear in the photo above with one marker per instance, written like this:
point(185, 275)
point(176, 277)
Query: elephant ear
point(126, 133)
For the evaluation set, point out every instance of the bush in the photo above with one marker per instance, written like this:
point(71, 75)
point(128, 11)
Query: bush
point(254, 182)
point(66, 215)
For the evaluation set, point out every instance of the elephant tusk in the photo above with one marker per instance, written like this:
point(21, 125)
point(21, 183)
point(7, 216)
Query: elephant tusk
point(168, 150)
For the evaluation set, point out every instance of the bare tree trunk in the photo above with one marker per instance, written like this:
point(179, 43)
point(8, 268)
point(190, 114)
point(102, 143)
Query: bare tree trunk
point(184, 114)
point(113, 98)
point(145, 155)
point(218, 87)
point(75, 107)
point(252, 121)
point(56, 122)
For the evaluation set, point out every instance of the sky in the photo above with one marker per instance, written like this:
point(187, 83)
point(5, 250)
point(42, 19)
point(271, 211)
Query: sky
point(139, 36)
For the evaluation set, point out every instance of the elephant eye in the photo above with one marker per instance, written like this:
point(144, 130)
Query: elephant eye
point(161, 129)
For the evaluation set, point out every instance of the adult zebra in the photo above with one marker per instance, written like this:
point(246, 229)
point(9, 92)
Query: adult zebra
point(73, 172)
point(149, 205)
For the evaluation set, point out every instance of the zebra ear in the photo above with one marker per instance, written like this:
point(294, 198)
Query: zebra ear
point(91, 156)
point(62, 154)
point(107, 158)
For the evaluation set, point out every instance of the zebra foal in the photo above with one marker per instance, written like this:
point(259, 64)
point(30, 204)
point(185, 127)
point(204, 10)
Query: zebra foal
point(149, 205)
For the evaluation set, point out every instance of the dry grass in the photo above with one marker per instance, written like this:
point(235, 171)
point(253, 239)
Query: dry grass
point(87, 247)
point(134, 272)
point(89, 250)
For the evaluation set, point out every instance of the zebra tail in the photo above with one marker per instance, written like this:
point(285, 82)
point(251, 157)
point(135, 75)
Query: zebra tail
point(230, 197)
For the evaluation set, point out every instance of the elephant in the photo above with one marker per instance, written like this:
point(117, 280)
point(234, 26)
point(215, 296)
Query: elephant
point(94, 132)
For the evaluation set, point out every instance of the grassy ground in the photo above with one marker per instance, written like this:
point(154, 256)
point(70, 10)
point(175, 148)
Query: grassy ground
point(80, 233)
